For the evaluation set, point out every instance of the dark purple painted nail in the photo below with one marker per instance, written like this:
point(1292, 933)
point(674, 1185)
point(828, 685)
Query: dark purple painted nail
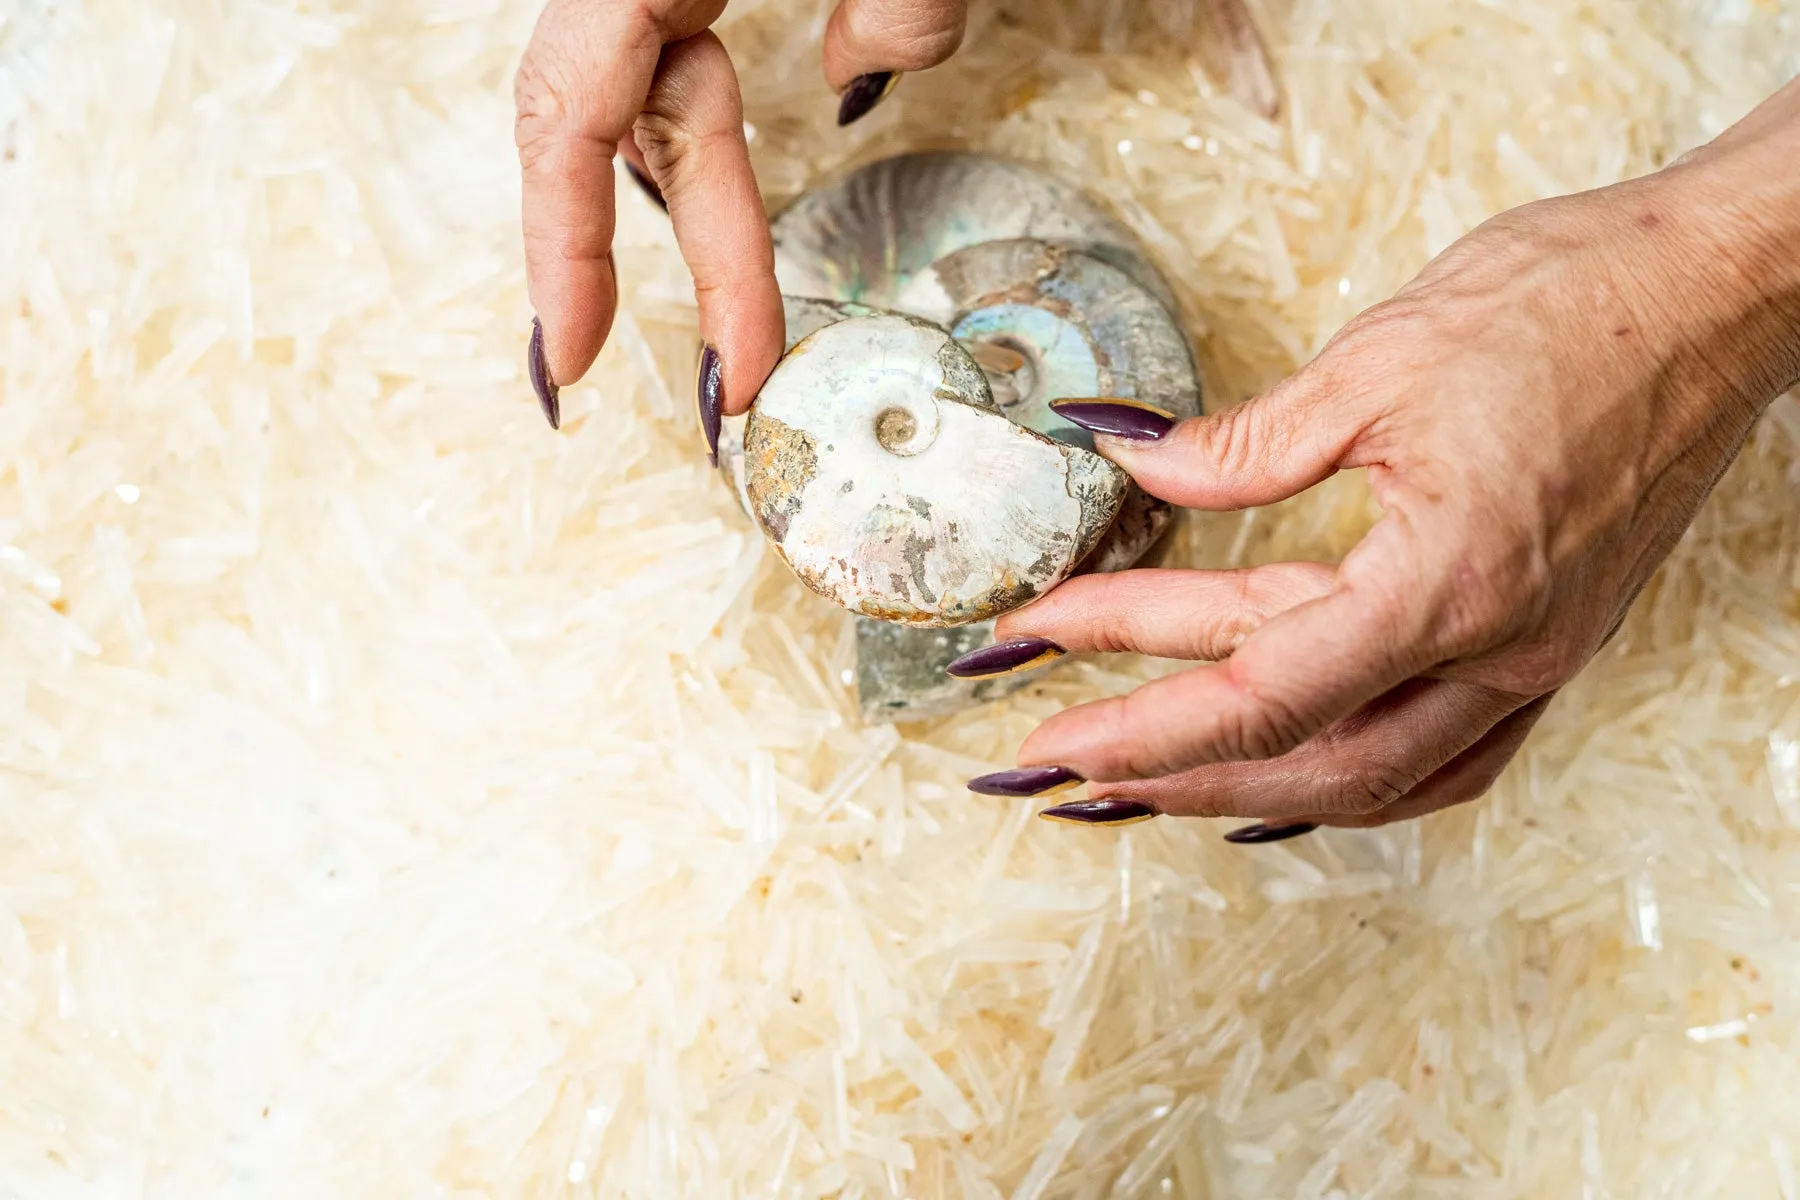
point(649, 187)
point(1100, 812)
point(1121, 418)
point(864, 93)
point(1025, 781)
point(548, 394)
point(1250, 835)
point(1006, 658)
point(712, 400)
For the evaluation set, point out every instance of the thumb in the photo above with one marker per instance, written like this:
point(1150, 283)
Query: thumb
point(1264, 450)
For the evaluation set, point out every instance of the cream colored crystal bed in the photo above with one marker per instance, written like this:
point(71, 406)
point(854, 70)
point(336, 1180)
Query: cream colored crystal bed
point(397, 799)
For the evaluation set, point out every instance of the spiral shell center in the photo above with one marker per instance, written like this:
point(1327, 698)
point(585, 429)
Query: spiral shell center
point(1031, 292)
point(897, 430)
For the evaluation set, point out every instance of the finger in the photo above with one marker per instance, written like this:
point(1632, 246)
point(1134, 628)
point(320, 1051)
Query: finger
point(692, 135)
point(581, 83)
point(866, 37)
point(1466, 777)
point(1264, 450)
point(1301, 671)
point(1372, 760)
point(1167, 613)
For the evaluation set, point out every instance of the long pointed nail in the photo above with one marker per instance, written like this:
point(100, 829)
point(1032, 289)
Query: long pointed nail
point(1131, 419)
point(1026, 781)
point(1006, 658)
point(548, 394)
point(1100, 812)
point(864, 93)
point(1251, 835)
point(711, 386)
point(649, 187)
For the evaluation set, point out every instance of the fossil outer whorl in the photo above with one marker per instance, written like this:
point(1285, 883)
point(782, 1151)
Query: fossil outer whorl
point(933, 235)
point(877, 462)
point(864, 236)
point(1004, 255)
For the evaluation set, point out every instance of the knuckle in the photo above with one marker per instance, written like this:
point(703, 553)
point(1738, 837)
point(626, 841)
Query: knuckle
point(660, 138)
point(668, 145)
point(1267, 728)
point(1196, 804)
point(1230, 441)
point(565, 56)
point(1206, 806)
point(1114, 636)
point(1369, 787)
point(1537, 670)
point(541, 111)
point(1104, 639)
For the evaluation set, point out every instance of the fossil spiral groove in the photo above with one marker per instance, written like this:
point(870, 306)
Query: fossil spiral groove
point(903, 457)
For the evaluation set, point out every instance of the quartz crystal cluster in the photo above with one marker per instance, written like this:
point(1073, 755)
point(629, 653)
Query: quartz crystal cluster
point(398, 799)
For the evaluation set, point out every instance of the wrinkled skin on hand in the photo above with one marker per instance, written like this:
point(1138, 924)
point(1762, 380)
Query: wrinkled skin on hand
point(1541, 413)
point(647, 79)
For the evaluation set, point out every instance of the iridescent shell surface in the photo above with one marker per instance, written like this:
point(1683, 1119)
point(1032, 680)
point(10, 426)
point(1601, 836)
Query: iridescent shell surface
point(880, 467)
point(1052, 297)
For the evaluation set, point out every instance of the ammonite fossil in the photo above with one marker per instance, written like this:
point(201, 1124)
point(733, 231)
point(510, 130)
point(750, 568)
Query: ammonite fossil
point(903, 458)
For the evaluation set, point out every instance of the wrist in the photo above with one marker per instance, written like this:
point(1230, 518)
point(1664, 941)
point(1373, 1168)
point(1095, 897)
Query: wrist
point(1735, 211)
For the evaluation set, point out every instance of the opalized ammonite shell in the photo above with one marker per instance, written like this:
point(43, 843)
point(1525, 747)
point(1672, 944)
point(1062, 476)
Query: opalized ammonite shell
point(1021, 290)
point(879, 465)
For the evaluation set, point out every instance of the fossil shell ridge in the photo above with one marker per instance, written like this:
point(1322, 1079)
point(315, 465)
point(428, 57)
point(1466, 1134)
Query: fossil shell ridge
point(878, 464)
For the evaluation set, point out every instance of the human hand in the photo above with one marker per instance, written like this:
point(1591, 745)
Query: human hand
point(649, 80)
point(1541, 412)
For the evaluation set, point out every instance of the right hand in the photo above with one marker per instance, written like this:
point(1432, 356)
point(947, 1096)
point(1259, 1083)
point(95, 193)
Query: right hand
point(647, 79)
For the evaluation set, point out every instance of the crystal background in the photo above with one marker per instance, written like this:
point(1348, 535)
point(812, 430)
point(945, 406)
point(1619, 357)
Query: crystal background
point(398, 799)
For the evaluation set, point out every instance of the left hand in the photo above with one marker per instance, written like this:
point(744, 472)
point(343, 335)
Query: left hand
point(1541, 412)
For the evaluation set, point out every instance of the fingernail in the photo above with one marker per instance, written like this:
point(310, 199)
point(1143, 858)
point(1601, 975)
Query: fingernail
point(863, 94)
point(643, 181)
point(712, 400)
point(1006, 658)
point(1100, 812)
point(1026, 781)
point(1121, 418)
point(549, 396)
point(1252, 834)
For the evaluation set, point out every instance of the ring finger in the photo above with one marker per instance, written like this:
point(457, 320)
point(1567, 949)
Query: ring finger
point(1378, 758)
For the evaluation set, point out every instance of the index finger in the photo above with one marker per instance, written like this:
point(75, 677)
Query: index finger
point(1299, 672)
point(580, 86)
